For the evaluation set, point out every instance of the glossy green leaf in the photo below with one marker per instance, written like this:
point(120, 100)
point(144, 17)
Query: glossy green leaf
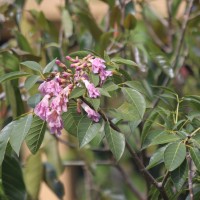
point(33, 175)
point(94, 78)
point(110, 86)
point(22, 42)
point(86, 131)
point(164, 137)
point(137, 101)
point(148, 124)
point(35, 135)
point(12, 75)
point(119, 60)
point(156, 158)
point(103, 92)
point(12, 179)
point(77, 92)
point(19, 132)
point(179, 175)
point(32, 65)
point(116, 141)
point(195, 154)
point(71, 119)
point(34, 100)
point(4, 138)
point(174, 155)
point(49, 66)
point(94, 102)
point(31, 81)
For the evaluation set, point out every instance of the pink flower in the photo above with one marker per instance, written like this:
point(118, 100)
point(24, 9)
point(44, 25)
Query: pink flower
point(90, 112)
point(50, 87)
point(55, 122)
point(59, 103)
point(42, 108)
point(93, 92)
point(97, 65)
point(104, 74)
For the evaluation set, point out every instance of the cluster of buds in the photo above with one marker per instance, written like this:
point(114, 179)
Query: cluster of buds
point(57, 88)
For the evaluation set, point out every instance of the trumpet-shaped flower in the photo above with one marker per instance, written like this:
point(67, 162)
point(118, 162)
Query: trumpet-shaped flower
point(90, 112)
point(54, 121)
point(50, 87)
point(42, 107)
point(93, 92)
point(97, 65)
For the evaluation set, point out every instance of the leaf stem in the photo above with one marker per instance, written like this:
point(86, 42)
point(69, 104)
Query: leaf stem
point(193, 133)
point(177, 109)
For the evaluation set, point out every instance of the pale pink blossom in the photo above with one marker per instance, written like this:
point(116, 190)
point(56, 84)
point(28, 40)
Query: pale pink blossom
point(90, 112)
point(42, 107)
point(59, 103)
point(50, 87)
point(93, 92)
point(55, 122)
point(104, 74)
point(97, 65)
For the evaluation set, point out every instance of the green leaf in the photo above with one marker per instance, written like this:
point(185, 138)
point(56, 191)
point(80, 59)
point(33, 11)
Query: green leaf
point(116, 141)
point(12, 75)
point(86, 131)
point(77, 92)
point(30, 81)
point(67, 23)
point(180, 175)
point(12, 179)
point(32, 65)
point(49, 66)
point(95, 102)
point(130, 22)
point(156, 158)
point(34, 100)
point(94, 78)
point(174, 155)
point(4, 138)
point(148, 124)
point(164, 137)
point(104, 92)
point(36, 134)
point(119, 60)
point(71, 119)
point(33, 172)
point(136, 100)
point(22, 42)
point(110, 86)
point(19, 132)
point(195, 154)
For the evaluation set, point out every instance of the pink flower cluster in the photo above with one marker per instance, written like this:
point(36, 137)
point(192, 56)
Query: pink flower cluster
point(59, 85)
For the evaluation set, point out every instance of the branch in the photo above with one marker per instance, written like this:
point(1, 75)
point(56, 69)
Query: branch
point(134, 155)
point(80, 163)
point(190, 177)
point(129, 183)
point(186, 18)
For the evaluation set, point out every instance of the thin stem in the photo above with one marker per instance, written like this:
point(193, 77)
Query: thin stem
point(177, 109)
point(134, 155)
point(193, 133)
point(187, 13)
point(165, 179)
point(129, 183)
point(190, 177)
point(80, 163)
